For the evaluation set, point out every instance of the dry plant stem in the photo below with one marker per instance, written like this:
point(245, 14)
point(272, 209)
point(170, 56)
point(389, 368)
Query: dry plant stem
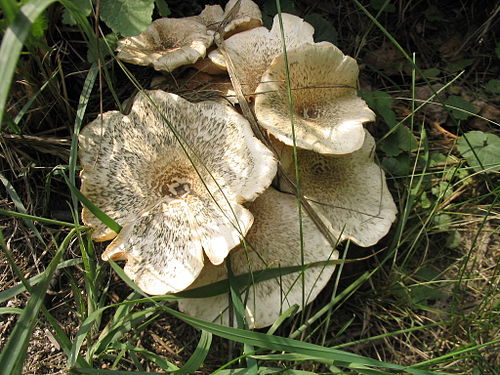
point(250, 116)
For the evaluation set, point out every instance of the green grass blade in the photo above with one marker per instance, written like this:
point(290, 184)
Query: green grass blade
point(36, 218)
point(196, 360)
point(7, 294)
point(96, 211)
point(14, 351)
point(263, 340)
point(19, 205)
point(82, 107)
point(12, 43)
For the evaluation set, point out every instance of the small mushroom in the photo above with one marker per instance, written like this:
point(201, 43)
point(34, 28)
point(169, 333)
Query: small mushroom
point(167, 44)
point(247, 16)
point(327, 114)
point(173, 175)
point(211, 16)
point(252, 51)
point(274, 242)
point(349, 192)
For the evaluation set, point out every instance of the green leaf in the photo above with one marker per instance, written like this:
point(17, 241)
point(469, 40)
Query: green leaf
point(381, 102)
point(459, 65)
point(323, 30)
point(163, 8)
point(379, 5)
point(481, 150)
point(433, 14)
point(397, 166)
point(460, 105)
point(402, 140)
point(127, 17)
point(84, 7)
point(431, 73)
point(493, 86)
point(442, 190)
point(497, 50)
point(104, 51)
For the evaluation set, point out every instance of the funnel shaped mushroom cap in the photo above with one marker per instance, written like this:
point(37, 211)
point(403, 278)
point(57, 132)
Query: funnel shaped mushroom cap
point(172, 189)
point(349, 192)
point(275, 240)
point(167, 44)
point(328, 116)
point(252, 51)
point(248, 16)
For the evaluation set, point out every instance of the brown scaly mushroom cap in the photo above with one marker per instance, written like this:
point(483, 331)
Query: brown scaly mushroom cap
point(172, 208)
point(252, 51)
point(349, 192)
point(275, 239)
point(167, 44)
point(328, 115)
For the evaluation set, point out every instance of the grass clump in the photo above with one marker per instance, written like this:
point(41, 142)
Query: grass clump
point(424, 300)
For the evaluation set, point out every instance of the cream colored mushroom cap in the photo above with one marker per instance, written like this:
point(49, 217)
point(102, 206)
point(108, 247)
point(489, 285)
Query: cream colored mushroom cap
point(211, 16)
point(349, 192)
point(276, 241)
point(252, 51)
point(172, 208)
point(247, 17)
point(328, 115)
point(167, 44)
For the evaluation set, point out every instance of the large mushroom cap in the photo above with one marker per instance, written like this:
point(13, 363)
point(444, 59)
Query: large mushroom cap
point(348, 191)
point(252, 51)
point(173, 175)
point(167, 44)
point(275, 238)
point(327, 113)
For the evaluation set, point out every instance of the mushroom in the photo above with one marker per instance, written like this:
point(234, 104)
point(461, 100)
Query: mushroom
point(274, 242)
point(173, 174)
point(349, 192)
point(167, 44)
point(327, 114)
point(252, 51)
point(246, 17)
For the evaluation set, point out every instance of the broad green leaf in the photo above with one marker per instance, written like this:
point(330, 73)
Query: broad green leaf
point(493, 86)
point(163, 8)
point(432, 14)
point(431, 73)
point(461, 107)
point(459, 65)
point(397, 166)
point(481, 150)
point(381, 102)
point(84, 7)
point(399, 141)
point(110, 40)
point(127, 17)
point(323, 30)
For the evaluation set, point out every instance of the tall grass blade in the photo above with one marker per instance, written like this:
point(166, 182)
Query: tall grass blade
point(14, 351)
point(12, 43)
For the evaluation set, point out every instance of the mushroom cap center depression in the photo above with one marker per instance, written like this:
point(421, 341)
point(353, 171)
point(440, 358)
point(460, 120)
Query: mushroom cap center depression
point(175, 179)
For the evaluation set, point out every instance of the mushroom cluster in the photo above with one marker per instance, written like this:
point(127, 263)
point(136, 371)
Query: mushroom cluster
point(191, 185)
